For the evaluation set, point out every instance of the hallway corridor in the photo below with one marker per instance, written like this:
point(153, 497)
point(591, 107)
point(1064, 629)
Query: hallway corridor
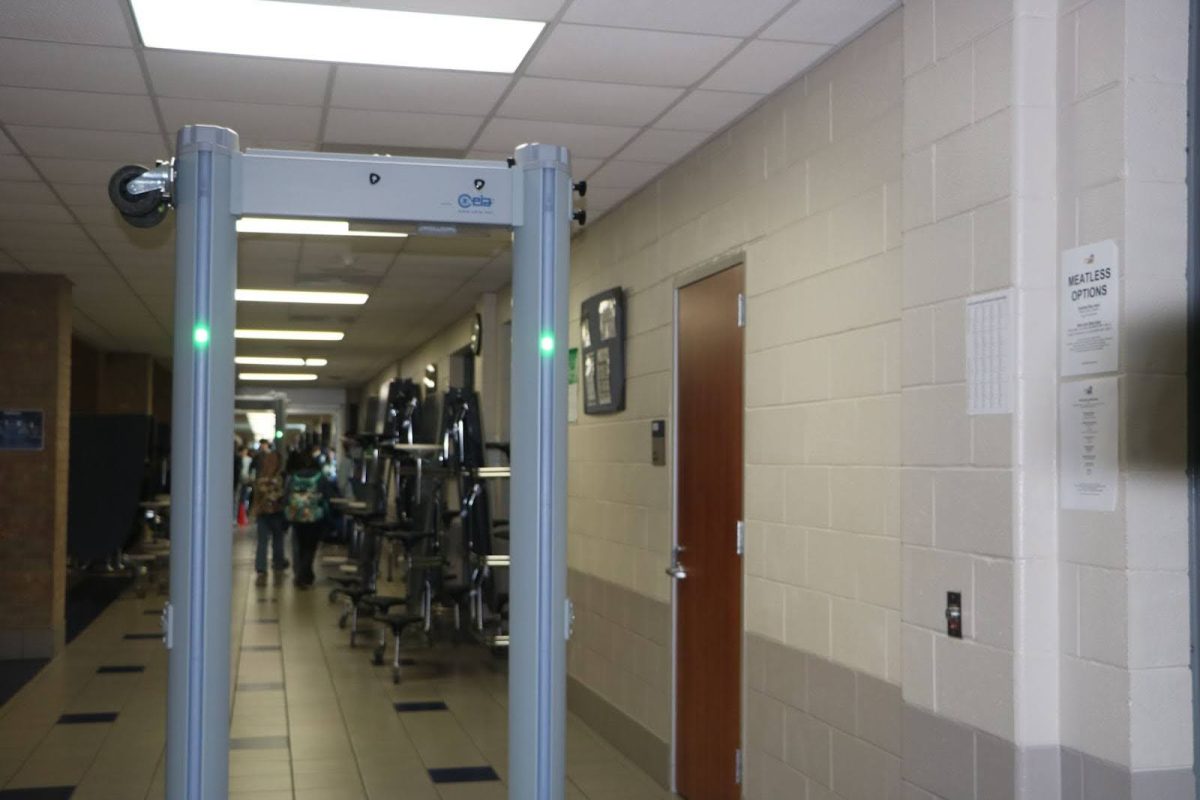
point(312, 718)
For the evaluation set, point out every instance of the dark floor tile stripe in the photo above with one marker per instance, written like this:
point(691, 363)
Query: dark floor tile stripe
point(115, 669)
point(463, 775)
point(260, 647)
point(134, 636)
point(431, 705)
point(259, 687)
point(39, 793)
point(87, 719)
point(153, 612)
point(258, 743)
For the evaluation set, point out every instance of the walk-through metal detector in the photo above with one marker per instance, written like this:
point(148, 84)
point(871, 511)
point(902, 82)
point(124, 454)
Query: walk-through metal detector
point(210, 184)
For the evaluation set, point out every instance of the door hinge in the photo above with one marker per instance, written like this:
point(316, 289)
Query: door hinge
point(737, 767)
point(741, 310)
point(741, 538)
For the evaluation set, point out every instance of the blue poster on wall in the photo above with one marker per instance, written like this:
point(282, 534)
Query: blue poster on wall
point(21, 429)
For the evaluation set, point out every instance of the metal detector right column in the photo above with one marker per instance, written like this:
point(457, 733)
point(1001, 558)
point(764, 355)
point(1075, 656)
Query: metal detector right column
point(537, 607)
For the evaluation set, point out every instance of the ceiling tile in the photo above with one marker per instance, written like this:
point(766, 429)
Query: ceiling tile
point(586, 102)
point(580, 167)
point(662, 147)
point(83, 68)
point(763, 67)
point(827, 21)
point(204, 76)
point(618, 174)
point(399, 129)
point(685, 16)
point(423, 90)
point(75, 170)
point(33, 212)
point(459, 268)
point(98, 145)
point(622, 55)
point(506, 9)
point(91, 22)
point(253, 119)
point(26, 192)
point(589, 141)
point(16, 168)
point(59, 109)
point(707, 111)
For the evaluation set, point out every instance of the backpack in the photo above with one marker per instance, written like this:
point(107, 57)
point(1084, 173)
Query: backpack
point(305, 502)
point(268, 495)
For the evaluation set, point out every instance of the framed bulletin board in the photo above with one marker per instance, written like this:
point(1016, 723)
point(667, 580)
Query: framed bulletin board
point(602, 351)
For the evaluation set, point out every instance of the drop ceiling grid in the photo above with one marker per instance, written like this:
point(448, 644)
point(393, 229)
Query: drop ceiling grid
point(634, 87)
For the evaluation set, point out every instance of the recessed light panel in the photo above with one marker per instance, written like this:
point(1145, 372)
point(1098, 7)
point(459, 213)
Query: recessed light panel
point(309, 227)
point(288, 296)
point(313, 32)
point(293, 336)
point(276, 376)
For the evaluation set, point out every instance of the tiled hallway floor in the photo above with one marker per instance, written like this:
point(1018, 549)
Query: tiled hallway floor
point(312, 719)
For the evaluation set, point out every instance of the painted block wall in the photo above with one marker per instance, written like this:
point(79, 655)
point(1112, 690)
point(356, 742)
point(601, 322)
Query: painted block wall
point(954, 148)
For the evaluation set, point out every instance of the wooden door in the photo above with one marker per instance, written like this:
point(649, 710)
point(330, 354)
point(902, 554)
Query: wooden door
point(709, 598)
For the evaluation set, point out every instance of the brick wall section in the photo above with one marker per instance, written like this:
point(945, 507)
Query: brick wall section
point(162, 394)
point(87, 373)
point(128, 386)
point(35, 360)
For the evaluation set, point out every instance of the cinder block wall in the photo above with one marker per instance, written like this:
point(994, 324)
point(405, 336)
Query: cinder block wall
point(954, 148)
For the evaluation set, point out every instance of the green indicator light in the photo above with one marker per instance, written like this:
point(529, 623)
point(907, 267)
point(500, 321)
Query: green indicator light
point(200, 336)
point(547, 343)
point(278, 434)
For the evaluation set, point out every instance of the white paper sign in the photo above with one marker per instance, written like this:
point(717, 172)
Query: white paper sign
point(1088, 424)
point(1089, 309)
point(989, 353)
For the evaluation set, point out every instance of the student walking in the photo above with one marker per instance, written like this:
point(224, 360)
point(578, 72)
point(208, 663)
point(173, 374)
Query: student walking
point(306, 506)
point(268, 510)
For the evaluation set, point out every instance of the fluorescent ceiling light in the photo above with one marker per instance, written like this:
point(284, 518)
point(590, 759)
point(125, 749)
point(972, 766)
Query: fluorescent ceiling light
point(286, 296)
point(336, 33)
point(294, 336)
point(277, 376)
point(308, 227)
point(279, 361)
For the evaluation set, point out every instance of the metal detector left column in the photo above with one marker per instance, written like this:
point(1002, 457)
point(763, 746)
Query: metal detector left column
point(197, 619)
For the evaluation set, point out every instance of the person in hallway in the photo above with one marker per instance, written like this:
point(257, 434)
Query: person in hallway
point(307, 507)
point(269, 517)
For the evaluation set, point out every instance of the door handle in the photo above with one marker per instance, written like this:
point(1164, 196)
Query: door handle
point(677, 571)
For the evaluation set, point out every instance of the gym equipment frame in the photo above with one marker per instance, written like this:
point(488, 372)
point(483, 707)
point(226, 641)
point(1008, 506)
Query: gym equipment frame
point(211, 183)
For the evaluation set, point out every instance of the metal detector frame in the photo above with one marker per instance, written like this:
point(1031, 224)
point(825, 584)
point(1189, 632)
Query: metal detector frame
point(214, 183)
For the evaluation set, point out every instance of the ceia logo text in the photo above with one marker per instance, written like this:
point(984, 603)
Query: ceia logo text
point(466, 201)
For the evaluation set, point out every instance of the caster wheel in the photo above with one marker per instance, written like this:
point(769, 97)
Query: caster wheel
point(333, 596)
point(396, 678)
point(151, 218)
point(342, 620)
point(377, 658)
point(131, 205)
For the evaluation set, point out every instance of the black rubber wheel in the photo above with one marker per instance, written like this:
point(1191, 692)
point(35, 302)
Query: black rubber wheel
point(377, 657)
point(131, 205)
point(149, 219)
point(343, 620)
point(333, 594)
point(396, 678)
